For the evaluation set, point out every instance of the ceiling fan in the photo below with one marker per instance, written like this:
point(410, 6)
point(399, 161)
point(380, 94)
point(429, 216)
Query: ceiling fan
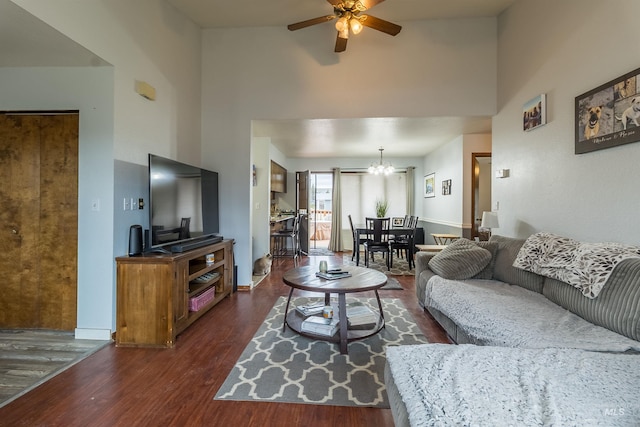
point(348, 13)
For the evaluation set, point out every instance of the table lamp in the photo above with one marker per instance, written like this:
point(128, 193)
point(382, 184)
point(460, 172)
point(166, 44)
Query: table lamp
point(489, 221)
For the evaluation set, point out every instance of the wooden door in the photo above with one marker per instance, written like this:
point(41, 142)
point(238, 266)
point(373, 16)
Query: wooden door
point(39, 220)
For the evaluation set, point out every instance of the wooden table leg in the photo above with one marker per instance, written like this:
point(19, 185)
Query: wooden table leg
point(342, 311)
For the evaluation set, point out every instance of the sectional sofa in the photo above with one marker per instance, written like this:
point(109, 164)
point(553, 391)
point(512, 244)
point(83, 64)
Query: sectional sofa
point(547, 329)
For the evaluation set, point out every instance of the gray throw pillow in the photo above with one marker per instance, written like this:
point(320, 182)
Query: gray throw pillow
point(460, 260)
point(487, 272)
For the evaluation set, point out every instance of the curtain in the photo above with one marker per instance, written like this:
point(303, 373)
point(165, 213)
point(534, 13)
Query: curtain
point(335, 241)
point(361, 190)
point(410, 190)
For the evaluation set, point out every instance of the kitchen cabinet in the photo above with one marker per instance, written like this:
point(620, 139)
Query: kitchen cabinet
point(278, 178)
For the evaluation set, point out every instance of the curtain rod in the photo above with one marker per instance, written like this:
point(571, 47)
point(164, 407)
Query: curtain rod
point(360, 170)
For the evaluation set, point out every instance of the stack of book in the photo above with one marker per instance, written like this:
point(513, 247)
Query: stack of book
point(310, 308)
point(333, 274)
point(360, 316)
point(320, 326)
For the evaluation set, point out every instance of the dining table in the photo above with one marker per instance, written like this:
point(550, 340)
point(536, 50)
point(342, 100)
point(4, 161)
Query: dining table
point(362, 231)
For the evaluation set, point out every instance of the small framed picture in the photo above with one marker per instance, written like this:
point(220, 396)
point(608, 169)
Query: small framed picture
point(534, 113)
point(397, 221)
point(446, 187)
point(430, 185)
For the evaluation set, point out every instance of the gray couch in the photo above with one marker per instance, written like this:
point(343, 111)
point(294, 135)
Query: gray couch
point(525, 321)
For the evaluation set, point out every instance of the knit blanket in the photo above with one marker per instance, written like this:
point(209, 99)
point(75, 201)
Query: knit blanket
point(498, 314)
point(586, 266)
point(466, 385)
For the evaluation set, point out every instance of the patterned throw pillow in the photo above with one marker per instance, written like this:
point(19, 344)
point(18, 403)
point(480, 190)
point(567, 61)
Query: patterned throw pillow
point(460, 260)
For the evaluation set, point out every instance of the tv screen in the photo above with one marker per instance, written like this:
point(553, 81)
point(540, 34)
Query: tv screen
point(183, 202)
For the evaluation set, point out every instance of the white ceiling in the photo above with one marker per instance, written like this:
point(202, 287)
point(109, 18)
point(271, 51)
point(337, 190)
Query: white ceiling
point(26, 41)
point(263, 13)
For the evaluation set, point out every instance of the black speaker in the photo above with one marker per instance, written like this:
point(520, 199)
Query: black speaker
point(135, 240)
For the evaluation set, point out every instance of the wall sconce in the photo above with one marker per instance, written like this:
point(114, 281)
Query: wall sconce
point(502, 173)
point(145, 90)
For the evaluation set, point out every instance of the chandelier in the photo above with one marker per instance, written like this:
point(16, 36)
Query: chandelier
point(381, 168)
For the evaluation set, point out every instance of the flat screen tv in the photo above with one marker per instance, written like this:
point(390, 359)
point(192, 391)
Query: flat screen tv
point(183, 202)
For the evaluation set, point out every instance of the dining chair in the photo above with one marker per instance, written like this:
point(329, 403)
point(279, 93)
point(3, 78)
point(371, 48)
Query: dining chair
point(406, 243)
point(354, 236)
point(378, 231)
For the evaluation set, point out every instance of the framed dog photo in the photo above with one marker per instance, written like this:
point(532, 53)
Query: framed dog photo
point(534, 113)
point(430, 185)
point(608, 115)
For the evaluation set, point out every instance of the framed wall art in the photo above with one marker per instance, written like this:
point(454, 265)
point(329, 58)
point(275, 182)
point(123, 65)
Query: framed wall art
point(446, 187)
point(430, 185)
point(608, 115)
point(534, 113)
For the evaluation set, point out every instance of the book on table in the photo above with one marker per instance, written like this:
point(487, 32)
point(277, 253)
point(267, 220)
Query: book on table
point(331, 275)
point(359, 314)
point(310, 308)
point(320, 326)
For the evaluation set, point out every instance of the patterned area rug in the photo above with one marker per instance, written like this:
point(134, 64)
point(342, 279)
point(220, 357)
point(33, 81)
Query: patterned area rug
point(400, 265)
point(392, 284)
point(287, 367)
point(320, 252)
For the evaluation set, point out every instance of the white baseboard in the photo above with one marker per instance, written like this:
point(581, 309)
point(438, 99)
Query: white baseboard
point(93, 334)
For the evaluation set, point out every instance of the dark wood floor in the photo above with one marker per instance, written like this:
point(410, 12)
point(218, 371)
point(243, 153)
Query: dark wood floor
point(175, 387)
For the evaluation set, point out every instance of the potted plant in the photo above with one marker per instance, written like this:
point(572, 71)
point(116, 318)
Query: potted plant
point(381, 208)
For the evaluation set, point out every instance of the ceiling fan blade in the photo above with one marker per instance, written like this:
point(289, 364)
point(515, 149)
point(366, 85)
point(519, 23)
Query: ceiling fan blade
point(380, 24)
point(335, 2)
point(341, 44)
point(310, 22)
point(368, 4)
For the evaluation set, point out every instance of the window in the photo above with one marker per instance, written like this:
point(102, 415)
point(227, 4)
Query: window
point(361, 190)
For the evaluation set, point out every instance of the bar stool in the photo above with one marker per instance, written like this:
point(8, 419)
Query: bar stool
point(286, 242)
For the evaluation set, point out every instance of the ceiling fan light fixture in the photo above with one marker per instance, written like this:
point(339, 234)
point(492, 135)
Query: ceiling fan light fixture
point(347, 14)
point(355, 25)
point(342, 24)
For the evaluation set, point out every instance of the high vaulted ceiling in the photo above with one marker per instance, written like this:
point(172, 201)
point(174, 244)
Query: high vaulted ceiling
point(348, 137)
point(27, 41)
point(263, 13)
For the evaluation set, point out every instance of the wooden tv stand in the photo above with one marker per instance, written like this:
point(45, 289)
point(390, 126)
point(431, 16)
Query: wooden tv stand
point(153, 292)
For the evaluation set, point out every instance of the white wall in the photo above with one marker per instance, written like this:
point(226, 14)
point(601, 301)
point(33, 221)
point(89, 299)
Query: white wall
point(261, 197)
point(87, 90)
point(572, 46)
point(452, 161)
point(446, 163)
point(143, 40)
point(272, 73)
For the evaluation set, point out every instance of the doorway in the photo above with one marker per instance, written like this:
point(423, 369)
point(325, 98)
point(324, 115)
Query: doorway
point(480, 191)
point(39, 198)
point(320, 209)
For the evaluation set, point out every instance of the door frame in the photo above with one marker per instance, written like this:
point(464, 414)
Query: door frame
point(474, 190)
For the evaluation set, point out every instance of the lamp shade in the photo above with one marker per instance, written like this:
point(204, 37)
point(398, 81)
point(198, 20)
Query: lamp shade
point(489, 220)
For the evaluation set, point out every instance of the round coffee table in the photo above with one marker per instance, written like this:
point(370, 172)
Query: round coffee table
point(361, 280)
